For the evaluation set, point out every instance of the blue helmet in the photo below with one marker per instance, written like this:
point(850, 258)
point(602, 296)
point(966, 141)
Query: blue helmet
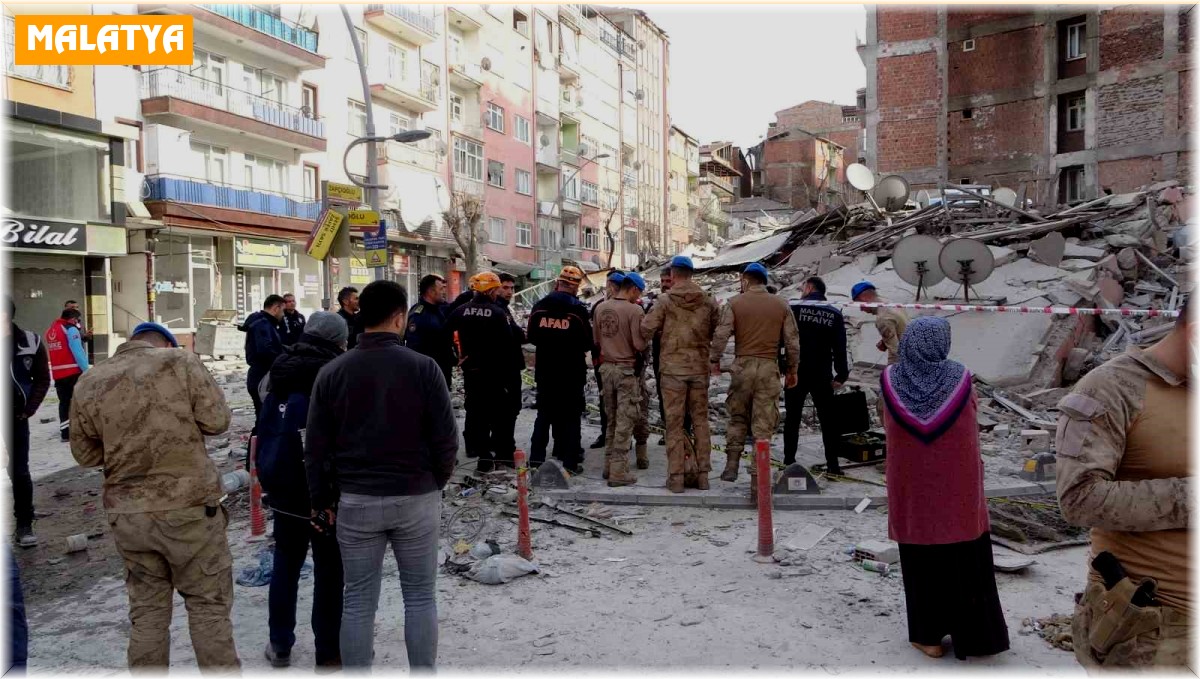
point(682, 262)
point(636, 279)
point(155, 327)
point(757, 268)
point(860, 288)
point(616, 278)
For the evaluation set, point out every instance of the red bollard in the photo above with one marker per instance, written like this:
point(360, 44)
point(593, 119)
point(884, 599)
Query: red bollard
point(766, 528)
point(258, 518)
point(524, 548)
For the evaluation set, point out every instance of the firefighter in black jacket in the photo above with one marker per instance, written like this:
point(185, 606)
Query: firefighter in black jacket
point(560, 329)
point(486, 344)
point(823, 371)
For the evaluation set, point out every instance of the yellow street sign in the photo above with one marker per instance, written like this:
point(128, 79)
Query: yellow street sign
point(361, 218)
point(344, 192)
point(376, 258)
point(324, 231)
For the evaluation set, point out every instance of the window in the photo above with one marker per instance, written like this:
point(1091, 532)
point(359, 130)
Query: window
point(272, 87)
point(520, 23)
point(631, 242)
point(1072, 184)
point(58, 76)
point(312, 182)
point(524, 234)
point(455, 45)
point(398, 123)
point(468, 159)
point(968, 113)
point(210, 68)
point(495, 175)
point(591, 238)
point(362, 40)
point(213, 161)
point(397, 63)
point(264, 174)
point(548, 236)
point(968, 45)
point(496, 230)
point(524, 183)
point(591, 193)
point(308, 100)
point(1076, 41)
point(524, 131)
point(358, 119)
point(495, 118)
point(456, 107)
point(570, 187)
point(1076, 106)
point(54, 173)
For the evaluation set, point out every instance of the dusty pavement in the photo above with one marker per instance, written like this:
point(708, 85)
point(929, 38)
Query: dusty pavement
point(682, 591)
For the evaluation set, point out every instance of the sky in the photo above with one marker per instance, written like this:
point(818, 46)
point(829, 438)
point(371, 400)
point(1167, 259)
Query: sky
point(734, 66)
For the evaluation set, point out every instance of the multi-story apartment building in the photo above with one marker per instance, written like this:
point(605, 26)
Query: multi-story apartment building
point(1062, 103)
point(683, 177)
point(66, 199)
point(803, 157)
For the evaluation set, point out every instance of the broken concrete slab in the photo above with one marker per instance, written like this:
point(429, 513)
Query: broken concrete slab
point(1124, 200)
point(1074, 251)
point(1003, 256)
point(1111, 291)
point(809, 256)
point(1074, 265)
point(1048, 249)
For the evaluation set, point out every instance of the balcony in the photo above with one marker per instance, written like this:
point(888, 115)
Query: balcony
point(406, 21)
point(466, 18)
point(466, 76)
point(571, 205)
point(423, 154)
point(184, 100)
point(568, 68)
point(460, 126)
point(420, 96)
point(547, 159)
point(251, 28)
point(572, 13)
point(570, 156)
point(719, 182)
point(259, 212)
point(468, 186)
point(568, 105)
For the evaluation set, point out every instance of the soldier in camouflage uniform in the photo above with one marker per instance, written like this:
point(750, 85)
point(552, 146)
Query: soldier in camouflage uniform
point(142, 415)
point(688, 317)
point(759, 322)
point(617, 333)
point(1123, 470)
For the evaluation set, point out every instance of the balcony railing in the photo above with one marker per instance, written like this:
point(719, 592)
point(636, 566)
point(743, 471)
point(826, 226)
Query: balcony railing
point(422, 154)
point(718, 181)
point(426, 88)
point(460, 126)
point(200, 192)
point(409, 15)
point(169, 82)
point(264, 22)
point(468, 186)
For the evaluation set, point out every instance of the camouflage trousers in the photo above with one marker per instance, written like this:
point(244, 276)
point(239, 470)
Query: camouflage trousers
point(182, 550)
point(753, 400)
point(1145, 637)
point(623, 396)
point(687, 394)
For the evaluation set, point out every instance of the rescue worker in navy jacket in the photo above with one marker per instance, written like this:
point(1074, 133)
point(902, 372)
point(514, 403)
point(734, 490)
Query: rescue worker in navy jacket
point(29, 370)
point(263, 345)
point(291, 327)
point(512, 380)
point(426, 332)
point(560, 329)
point(823, 371)
point(486, 344)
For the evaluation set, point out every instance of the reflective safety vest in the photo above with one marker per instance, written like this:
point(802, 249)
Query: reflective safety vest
point(62, 361)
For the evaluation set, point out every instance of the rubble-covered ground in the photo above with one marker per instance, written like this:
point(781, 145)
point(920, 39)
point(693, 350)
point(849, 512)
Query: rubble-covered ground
point(681, 591)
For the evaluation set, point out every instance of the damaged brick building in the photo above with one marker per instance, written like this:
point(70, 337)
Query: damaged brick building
point(1064, 104)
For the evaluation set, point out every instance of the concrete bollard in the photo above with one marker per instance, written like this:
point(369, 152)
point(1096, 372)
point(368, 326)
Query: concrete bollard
point(524, 546)
point(766, 528)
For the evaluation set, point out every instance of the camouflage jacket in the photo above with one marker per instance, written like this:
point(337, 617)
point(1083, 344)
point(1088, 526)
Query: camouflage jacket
point(891, 324)
point(760, 323)
point(143, 415)
point(687, 317)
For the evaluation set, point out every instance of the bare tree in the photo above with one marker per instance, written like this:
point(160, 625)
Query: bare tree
point(463, 218)
point(612, 241)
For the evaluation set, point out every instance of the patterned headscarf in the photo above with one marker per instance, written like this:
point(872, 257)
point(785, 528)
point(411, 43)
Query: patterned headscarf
point(925, 390)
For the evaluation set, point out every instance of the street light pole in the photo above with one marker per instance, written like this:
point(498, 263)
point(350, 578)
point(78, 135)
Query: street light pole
point(562, 188)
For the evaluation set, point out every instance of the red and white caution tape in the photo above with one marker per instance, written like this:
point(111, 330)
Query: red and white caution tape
point(1066, 310)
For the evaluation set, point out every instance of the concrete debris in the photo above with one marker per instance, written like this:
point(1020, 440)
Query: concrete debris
point(1056, 630)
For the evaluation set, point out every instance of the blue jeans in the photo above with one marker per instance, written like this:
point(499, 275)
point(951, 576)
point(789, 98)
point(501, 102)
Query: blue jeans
point(366, 525)
point(292, 539)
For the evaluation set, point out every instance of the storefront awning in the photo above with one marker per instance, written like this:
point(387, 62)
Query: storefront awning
point(514, 268)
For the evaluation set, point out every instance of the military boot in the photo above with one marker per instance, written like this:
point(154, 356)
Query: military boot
point(643, 460)
point(675, 483)
point(618, 473)
point(701, 480)
point(732, 462)
point(607, 466)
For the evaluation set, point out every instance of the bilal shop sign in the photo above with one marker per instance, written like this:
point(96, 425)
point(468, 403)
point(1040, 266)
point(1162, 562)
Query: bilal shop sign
point(23, 233)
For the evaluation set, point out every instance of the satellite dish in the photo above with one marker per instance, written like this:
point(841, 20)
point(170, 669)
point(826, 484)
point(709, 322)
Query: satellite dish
point(891, 192)
point(915, 259)
point(544, 141)
point(1005, 196)
point(637, 165)
point(923, 198)
point(860, 177)
point(486, 64)
point(583, 150)
point(966, 262)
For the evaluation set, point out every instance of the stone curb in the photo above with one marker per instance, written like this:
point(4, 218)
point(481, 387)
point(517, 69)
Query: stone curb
point(785, 502)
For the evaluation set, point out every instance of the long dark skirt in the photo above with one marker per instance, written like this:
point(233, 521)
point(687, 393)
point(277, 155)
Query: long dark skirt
point(950, 590)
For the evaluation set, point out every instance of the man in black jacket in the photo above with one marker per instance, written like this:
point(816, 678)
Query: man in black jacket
point(285, 392)
point(292, 326)
point(823, 371)
point(263, 344)
point(486, 344)
point(380, 445)
point(426, 333)
point(29, 372)
point(560, 329)
point(348, 310)
point(512, 378)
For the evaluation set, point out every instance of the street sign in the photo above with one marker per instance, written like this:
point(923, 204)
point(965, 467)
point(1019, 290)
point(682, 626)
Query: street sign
point(376, 246)
point(376, 258)
point(344, 193)
point(361, 219)
point(324, 231)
